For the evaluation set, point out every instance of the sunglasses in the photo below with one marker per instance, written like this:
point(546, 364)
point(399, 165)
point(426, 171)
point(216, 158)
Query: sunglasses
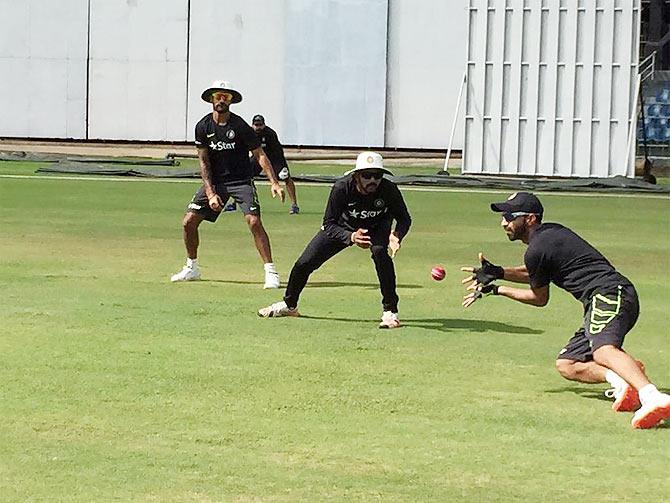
point(225, 96)
point(369, 175)
point(509, 216)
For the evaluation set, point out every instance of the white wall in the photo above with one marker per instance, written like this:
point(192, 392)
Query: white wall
point(426, 62)
point(137, 87)
point(315, 69)
point(43, 68)
point(551, 87)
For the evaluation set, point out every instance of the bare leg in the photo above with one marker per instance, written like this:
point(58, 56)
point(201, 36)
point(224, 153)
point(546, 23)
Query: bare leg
point(622, 364)
point(290, 188)
point(261, 238)
point(191, 236)
point(588, 372)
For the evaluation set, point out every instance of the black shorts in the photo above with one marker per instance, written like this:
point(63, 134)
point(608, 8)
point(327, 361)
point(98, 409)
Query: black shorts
point(281, 171)
point(608, 317)
point(243, 194)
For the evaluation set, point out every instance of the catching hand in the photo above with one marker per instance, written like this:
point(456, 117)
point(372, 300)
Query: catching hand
point(360, 238)
point(479, 292)
point(483, 275)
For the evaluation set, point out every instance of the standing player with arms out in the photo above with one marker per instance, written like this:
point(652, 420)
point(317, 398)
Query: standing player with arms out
point(224, 141)
point(275, 152)
point(594, 354)
point(360, 211)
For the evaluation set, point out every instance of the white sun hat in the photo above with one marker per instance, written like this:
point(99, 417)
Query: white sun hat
point(221, 86)
point(369, 160)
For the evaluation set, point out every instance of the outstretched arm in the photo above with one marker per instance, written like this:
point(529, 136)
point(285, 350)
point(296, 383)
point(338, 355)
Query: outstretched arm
point(533, 296)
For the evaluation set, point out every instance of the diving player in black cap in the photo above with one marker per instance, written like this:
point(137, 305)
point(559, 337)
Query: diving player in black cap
point(594, 354)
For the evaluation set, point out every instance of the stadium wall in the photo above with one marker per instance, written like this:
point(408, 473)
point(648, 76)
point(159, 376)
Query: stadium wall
point(379, 73)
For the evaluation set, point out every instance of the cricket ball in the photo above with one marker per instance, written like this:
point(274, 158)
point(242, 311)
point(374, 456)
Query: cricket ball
point(438, 273)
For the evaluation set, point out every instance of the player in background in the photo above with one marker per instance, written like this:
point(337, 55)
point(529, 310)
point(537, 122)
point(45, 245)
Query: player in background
point(360, 211)
point(224, 141)
point(594, 354)
point(275, 152)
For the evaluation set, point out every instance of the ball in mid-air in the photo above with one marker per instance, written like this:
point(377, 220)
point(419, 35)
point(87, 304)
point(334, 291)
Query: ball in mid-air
point(438, 273)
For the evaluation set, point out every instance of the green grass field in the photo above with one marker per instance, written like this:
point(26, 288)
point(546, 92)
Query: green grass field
point(118, 385)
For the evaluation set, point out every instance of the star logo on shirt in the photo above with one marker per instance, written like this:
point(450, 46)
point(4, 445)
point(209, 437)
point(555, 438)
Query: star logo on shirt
point(354, 213)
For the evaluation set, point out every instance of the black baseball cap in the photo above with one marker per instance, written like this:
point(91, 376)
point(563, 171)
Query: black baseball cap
point(519, 202)
point(258, 118)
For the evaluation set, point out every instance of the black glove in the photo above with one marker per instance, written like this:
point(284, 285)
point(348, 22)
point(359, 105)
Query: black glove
point(490, 289)
point(488, 273)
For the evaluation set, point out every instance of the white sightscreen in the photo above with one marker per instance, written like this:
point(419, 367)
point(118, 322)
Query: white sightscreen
point(137, 82)
point(43, 68)
point(551, 86)
point(426, 53)
point(316, 69)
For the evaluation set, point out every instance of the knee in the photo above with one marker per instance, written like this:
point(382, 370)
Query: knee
point(254, 222)
point(191, 222)
point(305, 265)
point(379, 252)
point(567, 368)
point(604, 354)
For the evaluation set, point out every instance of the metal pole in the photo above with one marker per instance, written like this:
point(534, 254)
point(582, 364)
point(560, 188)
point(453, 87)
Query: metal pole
point(453, 125)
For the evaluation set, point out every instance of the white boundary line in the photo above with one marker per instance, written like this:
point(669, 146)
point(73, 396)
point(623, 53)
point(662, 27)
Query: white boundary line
point(413, 188)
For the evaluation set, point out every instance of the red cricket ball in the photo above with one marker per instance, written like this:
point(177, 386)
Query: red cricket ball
point(438, 273)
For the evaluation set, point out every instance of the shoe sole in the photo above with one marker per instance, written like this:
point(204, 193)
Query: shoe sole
point(652, 418)
point(289, 315)
point(184, 280)
point(270, 287)
point(628, 402)
point(389, 327)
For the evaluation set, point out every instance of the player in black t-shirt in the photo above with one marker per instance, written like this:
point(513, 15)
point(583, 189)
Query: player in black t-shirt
point(594, 354)
point(275, 152)
point(361, 208)
point(224, 141)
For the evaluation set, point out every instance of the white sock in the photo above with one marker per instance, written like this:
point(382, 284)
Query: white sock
point(269, 267)
point(614, 379)
point(647, 392)
point(192, 262)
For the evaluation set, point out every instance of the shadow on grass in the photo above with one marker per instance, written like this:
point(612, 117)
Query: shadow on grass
point(443, 324)
point(311, 284)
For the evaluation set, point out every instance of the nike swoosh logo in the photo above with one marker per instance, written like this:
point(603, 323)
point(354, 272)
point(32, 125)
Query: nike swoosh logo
point(351, 204)
point(210, 135)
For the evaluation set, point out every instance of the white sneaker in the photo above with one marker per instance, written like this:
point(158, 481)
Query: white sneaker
point(187, 274)
point(655, 410)
point(389, 320)
point(277, 310)
point(271, 279)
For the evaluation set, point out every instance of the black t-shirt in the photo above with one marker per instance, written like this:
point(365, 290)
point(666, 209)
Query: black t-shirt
point(556, 254)
point(228, 146)
point(348, 210)
point(272, 147)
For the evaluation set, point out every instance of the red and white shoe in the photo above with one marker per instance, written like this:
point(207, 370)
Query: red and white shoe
point(625, 397)
point(653, 412)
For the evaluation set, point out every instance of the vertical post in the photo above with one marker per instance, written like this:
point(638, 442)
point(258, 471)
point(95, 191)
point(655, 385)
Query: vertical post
point(453, 124)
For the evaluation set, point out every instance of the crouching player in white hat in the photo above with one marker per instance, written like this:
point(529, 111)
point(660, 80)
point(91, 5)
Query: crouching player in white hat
point(361, 209)
point(224, 141)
